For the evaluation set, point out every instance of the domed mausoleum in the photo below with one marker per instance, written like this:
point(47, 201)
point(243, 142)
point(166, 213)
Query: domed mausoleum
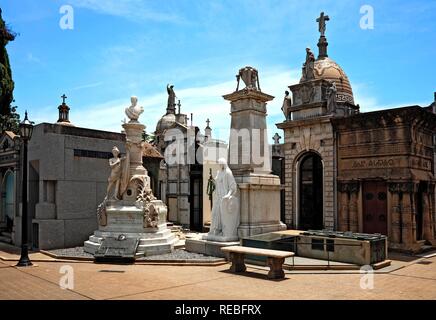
point(356, 172)
point(327, 69)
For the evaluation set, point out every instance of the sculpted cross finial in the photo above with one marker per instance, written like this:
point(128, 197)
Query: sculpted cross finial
point(208, 122)
point(63, 98)
point(321, 23)
point(276, 139)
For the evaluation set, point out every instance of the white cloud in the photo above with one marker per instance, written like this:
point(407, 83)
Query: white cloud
point(203, 101)
point(368, 102)
point(31, 58)
point(87, 86)
point(136, 10)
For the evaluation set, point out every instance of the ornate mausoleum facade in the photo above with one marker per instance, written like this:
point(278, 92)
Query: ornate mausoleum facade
point(386, 175)
point(349, 171)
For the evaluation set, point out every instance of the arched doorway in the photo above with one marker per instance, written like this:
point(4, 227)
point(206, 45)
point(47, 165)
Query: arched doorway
point(311, 192)
point(8, 200)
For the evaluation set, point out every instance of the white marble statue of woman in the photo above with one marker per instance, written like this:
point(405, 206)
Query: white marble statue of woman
point(225, 210)
point(114, 179)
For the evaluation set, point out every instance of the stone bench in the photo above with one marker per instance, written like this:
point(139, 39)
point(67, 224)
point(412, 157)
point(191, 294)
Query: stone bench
point(275, 259)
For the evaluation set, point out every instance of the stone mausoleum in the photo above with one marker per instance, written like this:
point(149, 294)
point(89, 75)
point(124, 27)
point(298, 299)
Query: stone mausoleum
point(67, 181)
point(350, 171)
point(183, 183)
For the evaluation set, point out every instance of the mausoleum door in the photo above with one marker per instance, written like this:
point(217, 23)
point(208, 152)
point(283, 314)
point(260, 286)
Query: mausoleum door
point(311, 193)
point(375, 219)
point(196, 203)
point(8, 200)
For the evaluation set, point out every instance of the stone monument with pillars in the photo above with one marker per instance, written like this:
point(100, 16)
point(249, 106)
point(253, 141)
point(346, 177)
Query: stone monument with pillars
point(250, 158)
point(132, 222)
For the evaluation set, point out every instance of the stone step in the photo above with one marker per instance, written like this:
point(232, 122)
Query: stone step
point(6, 234)
point(156, 249)
point(5, 239)
point(148, 242)
point(142, 241)
point(95, 239)
point(426, 248)
point(158, 234)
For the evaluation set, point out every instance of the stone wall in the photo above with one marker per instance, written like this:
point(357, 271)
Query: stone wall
point(301, 137)
point(70, 169)
point(395, 147)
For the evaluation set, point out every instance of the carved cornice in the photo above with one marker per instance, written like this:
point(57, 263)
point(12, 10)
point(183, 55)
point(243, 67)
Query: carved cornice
point(248, 93)
point(413, 115)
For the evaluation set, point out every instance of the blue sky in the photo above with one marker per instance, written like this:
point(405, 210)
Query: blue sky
point(122, 48)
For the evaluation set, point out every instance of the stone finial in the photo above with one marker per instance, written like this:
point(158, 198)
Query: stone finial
point(322, 23)
point(250, 76)
point(322, 42)
point(64, 111)
point(276, 139)
point(208, 130)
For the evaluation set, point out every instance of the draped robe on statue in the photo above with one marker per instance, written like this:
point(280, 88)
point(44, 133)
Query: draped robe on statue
point(225, 211)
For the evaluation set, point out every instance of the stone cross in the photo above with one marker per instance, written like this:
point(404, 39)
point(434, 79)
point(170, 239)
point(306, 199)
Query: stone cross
point(63, 98)
point(208, 122)
point(321, 23)
point(276, 139)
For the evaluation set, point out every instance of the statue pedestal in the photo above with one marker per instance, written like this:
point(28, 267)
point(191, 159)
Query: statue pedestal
point(208, 247)
point(259, 189)
point(260, 204)
point(134, 226)
point(128, 220)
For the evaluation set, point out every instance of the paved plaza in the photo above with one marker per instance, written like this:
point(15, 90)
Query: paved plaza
point(415, 279)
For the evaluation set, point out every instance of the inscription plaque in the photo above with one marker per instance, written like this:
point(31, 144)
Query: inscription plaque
point(117, 249)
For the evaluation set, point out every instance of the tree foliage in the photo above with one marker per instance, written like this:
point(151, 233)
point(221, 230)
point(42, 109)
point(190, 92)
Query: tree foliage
point(9, 119)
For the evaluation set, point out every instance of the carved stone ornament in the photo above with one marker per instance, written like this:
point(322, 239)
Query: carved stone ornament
point(349, 187)
point(404, 187)
point(307, 93)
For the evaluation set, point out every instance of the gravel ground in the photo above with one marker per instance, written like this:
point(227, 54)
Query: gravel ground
point(71, 252)
point(178, 254)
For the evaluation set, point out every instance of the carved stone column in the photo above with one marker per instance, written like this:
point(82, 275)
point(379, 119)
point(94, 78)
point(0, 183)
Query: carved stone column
point(432, 210)
point(343, 211)
point(427, 216)
point(353, 212)
point(408, 213)
point(395, 211)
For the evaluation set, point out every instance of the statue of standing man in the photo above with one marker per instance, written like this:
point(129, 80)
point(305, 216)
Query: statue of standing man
point(309, 65)
point(171, 97)
point(225, 210)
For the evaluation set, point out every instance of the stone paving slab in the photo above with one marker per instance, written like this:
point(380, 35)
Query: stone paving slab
point(18, 284)
point(416, 280)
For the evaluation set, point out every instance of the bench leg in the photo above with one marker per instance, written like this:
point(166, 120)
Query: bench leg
point(276, 268)
point(238, 264)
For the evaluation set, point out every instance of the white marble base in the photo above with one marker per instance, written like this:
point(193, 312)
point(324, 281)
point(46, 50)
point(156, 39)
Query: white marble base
point(247, 230)
point(212, 237)
point(149, 243)
point(260, 204)
point(128, 220)
point(207, 247)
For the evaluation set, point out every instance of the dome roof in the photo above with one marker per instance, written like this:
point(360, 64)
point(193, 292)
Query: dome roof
point(165, 122)
point(327, 69)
